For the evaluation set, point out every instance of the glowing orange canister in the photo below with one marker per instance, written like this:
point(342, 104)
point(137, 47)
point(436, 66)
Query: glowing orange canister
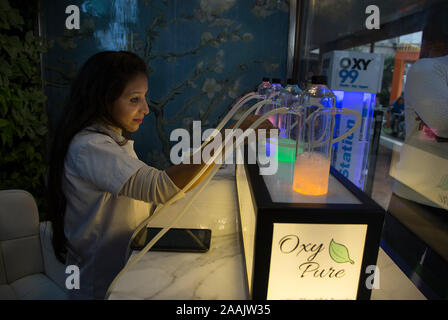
point(311, 174)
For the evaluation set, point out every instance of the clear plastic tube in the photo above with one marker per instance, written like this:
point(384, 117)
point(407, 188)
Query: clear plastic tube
point(345, 135)
point(246, 98)
point(256, 106)
point(271, 96)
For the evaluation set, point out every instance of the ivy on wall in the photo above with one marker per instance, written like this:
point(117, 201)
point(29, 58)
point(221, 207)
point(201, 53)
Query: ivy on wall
point(23, 119)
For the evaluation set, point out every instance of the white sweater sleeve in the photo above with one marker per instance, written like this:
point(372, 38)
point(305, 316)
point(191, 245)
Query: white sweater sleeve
point(426, 94)
point(150, 185)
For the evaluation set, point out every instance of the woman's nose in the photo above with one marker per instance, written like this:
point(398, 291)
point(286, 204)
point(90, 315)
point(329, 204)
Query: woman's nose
point(145, 107)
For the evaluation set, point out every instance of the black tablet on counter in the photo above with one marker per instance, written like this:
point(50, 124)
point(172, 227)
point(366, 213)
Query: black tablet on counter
point(179, 240)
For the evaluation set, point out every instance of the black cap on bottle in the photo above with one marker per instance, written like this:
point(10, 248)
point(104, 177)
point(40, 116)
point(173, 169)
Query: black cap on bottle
point(319, 79)
point(266, 79)
point(276, 80)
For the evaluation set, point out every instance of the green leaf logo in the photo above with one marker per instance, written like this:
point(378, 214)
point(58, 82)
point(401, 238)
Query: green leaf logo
point(339, 253)
point(443, 184)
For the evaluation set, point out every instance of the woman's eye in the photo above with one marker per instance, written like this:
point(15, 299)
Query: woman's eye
point(134, 100)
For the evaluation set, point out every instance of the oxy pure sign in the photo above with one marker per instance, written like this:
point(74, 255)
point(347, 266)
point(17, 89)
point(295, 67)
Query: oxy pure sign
point(353, 71)
point(316, 261)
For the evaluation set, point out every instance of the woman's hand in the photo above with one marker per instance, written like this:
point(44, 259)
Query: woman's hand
point(181, 174)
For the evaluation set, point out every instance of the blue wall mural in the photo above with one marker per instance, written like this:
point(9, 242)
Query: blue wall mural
point(202, 55)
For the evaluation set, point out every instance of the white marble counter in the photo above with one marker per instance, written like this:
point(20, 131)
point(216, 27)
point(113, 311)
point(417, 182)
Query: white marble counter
point(217, 274)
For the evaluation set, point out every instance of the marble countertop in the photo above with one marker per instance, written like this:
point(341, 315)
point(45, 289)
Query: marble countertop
point(191, 276)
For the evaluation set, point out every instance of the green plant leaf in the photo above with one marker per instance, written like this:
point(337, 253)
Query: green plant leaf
point(15, 19)
point(5, 67)
point(3, 123)
point(29, 37)
point(23, 120)
point(4, 20)
point(13, 46)
point(3, 106)
point(339, 253)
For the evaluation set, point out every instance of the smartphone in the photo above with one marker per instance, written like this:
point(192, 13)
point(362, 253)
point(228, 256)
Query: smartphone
point(179, 240)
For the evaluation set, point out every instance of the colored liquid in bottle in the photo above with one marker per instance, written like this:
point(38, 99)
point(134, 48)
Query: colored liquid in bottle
point(311, 174)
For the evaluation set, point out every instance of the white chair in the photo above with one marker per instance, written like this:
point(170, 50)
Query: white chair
point(28, 266)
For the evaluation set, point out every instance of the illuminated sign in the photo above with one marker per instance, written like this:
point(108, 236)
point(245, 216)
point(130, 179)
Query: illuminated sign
point(353, 71)
point(346, 151)
point(351, 154)
point(316, 261)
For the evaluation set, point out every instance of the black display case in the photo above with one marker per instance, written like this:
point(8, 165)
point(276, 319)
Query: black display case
point(307, 247)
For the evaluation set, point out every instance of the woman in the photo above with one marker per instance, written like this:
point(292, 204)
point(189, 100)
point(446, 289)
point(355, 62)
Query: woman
point(99, 191)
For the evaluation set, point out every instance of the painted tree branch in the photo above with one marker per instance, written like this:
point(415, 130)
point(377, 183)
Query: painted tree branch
point(226, 87)
point(188, 105)
point(150, 37)
point(223, 36)
point(56, 85)
point(176, 55)
point(62, 73)
point(179, 89)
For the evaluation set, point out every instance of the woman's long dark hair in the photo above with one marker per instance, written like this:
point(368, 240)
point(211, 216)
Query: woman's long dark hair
point(100, 82)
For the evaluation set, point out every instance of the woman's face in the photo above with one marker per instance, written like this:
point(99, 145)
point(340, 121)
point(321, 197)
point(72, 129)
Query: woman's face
point(130, 108)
